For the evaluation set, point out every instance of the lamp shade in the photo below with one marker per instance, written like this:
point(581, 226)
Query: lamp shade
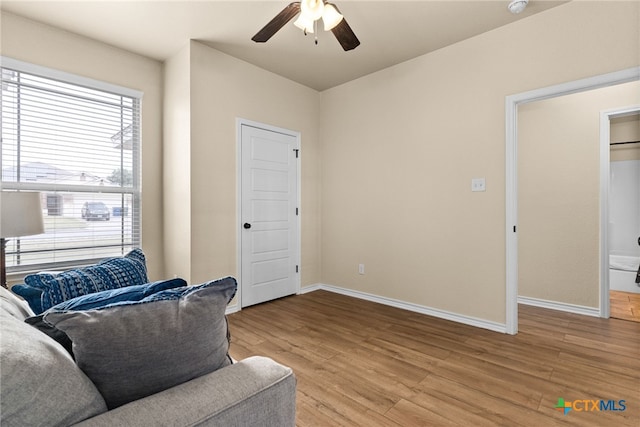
point(21, 214)
point(331, 17)
point(304, 23)
point(312, 9)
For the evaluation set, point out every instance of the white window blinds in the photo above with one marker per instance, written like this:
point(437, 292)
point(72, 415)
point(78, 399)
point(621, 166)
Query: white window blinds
point(78, 144)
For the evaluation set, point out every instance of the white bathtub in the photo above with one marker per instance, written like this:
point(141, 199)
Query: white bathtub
point(622, 273)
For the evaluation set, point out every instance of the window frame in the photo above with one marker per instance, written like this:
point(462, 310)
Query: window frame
point(135, 191)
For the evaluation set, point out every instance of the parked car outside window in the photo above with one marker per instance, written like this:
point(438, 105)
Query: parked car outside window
point(95, 210)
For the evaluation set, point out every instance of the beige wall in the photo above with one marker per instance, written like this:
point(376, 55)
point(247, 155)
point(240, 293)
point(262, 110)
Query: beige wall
point(625, 129)
point(558, 194)
point(400, 147)
point(176, 161)
point(223, 89)
point(43, 45)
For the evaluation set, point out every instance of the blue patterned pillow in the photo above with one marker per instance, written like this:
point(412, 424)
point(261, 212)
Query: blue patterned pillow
point(132, 349)
point(111, 273)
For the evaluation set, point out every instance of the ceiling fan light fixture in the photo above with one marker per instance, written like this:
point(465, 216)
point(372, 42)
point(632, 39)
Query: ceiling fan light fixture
point(517, 6)
point(331, 17)
point(308, 13)
point(304, 23)
point(312, 9)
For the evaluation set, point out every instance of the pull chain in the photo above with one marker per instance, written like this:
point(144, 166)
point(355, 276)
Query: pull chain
point(315, 31)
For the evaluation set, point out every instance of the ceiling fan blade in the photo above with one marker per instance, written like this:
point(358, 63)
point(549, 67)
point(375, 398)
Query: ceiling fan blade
point(345, 35)
point(276, 23)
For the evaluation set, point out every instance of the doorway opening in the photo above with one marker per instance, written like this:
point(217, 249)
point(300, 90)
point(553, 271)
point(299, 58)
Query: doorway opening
point(511, 108)
point(624, 211)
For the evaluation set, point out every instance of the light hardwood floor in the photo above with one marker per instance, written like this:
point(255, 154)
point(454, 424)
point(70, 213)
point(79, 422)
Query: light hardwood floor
point(625, 305)
point(363, 364)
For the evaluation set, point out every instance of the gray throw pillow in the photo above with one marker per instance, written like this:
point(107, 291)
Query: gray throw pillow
point(40, 385)
point(98, 300)
point(134, 349)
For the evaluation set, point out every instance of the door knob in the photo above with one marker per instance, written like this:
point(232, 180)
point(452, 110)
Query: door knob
point(247, 225)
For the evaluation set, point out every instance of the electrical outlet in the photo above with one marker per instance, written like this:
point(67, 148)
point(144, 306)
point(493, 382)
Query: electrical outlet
point(478, 184)
point(361, 268)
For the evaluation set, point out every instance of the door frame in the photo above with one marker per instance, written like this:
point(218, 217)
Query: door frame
point(605, 177)
point(511, 182)
point(245, 122)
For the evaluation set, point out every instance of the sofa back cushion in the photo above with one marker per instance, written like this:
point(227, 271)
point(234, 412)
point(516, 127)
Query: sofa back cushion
point(111, 273)
point(132, 349)
point(39, 382)
point(13, 305)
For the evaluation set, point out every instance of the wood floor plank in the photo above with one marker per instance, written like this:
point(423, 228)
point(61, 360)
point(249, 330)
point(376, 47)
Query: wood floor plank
point(408, 413)
point(495, 410)
point(310, 412)
point(372, 378)
point(603, 345)
point(402, 351)
point(343, 410)
point(415, 345)
point(514, 356)
point(625, 305)
point(359, 363)
point(631, 370)
point(348, 396)
point(519, 393)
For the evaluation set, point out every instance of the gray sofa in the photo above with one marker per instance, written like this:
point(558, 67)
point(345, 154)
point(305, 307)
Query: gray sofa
point(41, 385)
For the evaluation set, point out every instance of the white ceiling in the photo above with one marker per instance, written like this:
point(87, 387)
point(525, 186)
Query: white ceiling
point(390, 32)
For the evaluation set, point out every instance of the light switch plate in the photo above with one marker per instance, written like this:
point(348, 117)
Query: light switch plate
point(478, 184)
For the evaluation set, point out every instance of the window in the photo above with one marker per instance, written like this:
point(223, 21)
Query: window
point(77, 142)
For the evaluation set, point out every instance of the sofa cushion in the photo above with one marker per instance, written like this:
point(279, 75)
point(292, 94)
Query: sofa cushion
point(13, 305)
point(132, 349)
point(111, 273)
point(39, 382)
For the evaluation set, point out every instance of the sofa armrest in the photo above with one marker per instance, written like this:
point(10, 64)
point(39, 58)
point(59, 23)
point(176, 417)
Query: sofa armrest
point(256, 391)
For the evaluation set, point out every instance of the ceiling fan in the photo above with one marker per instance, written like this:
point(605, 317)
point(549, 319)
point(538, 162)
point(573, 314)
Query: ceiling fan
point(310, 12)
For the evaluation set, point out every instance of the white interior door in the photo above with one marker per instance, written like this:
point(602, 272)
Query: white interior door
point(269, 214)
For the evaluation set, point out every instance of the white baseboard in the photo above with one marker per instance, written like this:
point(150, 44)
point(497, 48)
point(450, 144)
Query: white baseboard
point(624, 281)
point(442, 314)
point(310, 288)
point(232, 308)
point(560, 306)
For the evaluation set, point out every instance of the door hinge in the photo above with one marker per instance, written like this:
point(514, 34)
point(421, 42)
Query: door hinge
point(296, 211)
point(514, 228)
point(296, 150)
point(297, 269)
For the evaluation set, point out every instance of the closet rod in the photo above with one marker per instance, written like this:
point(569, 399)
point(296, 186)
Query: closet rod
point(622, 143)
